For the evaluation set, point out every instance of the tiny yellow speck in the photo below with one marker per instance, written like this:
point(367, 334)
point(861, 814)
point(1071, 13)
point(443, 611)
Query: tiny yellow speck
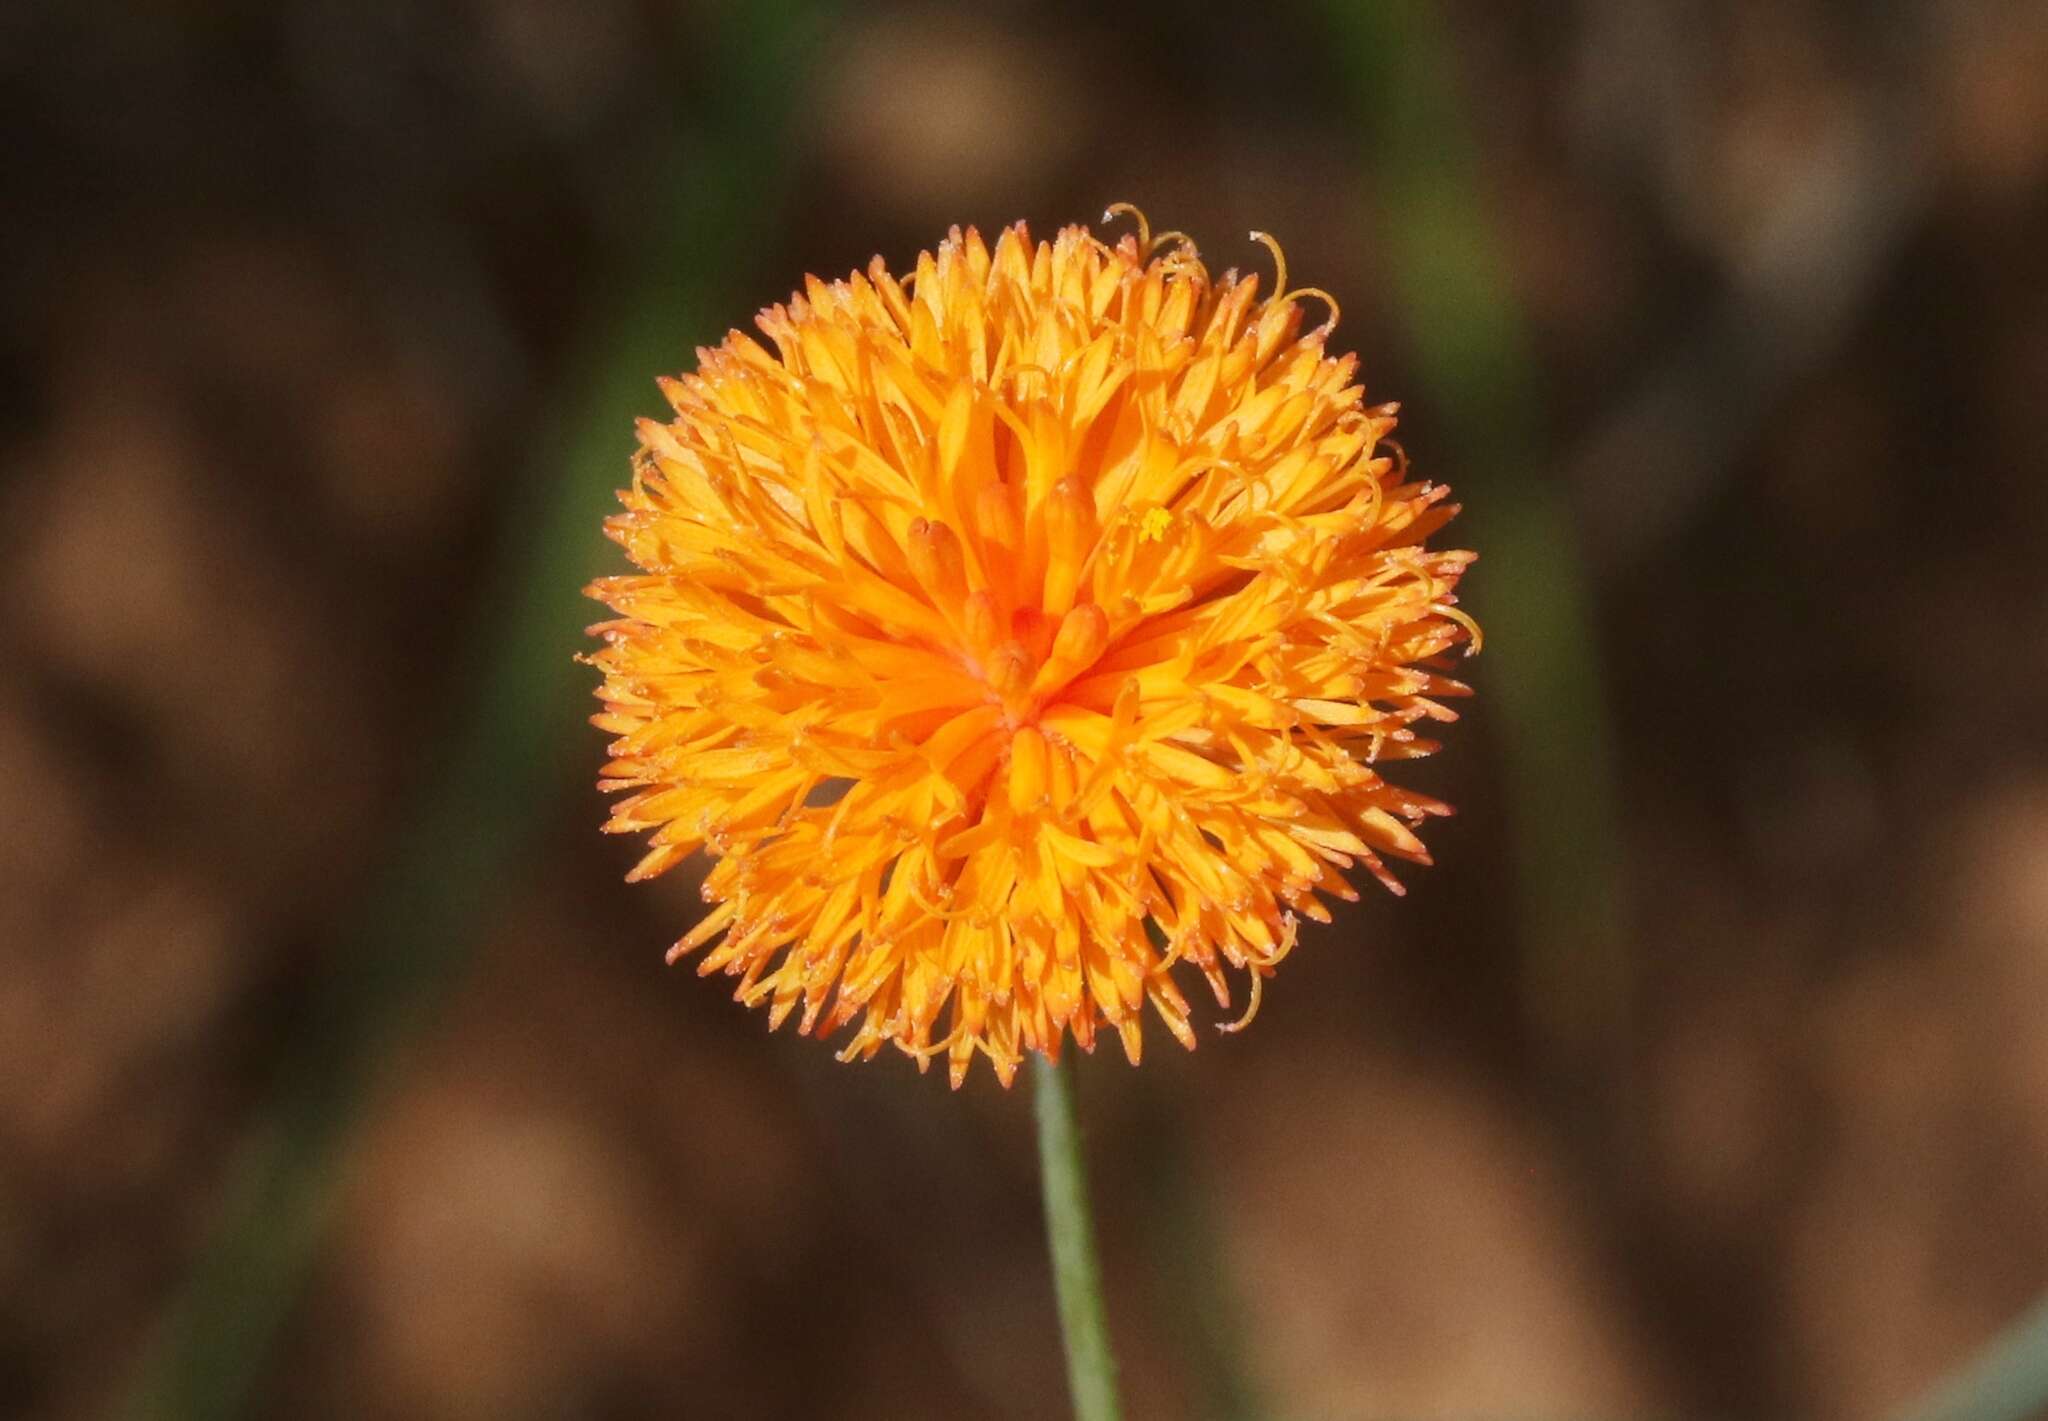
point(1152, 527)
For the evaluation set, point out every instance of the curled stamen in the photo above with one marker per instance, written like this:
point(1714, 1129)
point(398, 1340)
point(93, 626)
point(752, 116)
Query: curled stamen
point(1137, 215)
point(1023, 367)
point(944, 915)
point(1477, 637)
point(1182, 479)
point(1272, 245)
point(1231, 1028)
point(923, 1054)
point(1400, 458)
point(1321, 295)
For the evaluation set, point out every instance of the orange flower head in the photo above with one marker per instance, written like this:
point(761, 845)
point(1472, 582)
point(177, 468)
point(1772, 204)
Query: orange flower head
point(1016, 633)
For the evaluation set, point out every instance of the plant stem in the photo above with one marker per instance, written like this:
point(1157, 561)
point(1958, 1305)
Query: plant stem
point(2007, 1380)
point(1070, 1233)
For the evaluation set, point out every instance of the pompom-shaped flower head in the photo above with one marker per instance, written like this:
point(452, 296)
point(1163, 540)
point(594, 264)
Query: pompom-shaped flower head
point(1019, 634)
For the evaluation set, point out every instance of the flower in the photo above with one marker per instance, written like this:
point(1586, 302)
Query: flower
point(1017, 633)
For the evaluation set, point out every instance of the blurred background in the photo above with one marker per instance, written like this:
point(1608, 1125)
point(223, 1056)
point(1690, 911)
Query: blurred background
point(339, 1072)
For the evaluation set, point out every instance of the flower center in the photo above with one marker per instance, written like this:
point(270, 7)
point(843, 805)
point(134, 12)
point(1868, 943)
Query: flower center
point(1028, 654)
point(1027, 669)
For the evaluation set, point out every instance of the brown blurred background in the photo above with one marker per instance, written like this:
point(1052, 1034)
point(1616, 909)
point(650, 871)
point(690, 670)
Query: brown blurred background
point(339, 1073)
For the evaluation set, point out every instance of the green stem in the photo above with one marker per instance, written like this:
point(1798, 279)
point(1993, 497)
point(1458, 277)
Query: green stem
point(1070, 1232)
point(2006, 1381)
